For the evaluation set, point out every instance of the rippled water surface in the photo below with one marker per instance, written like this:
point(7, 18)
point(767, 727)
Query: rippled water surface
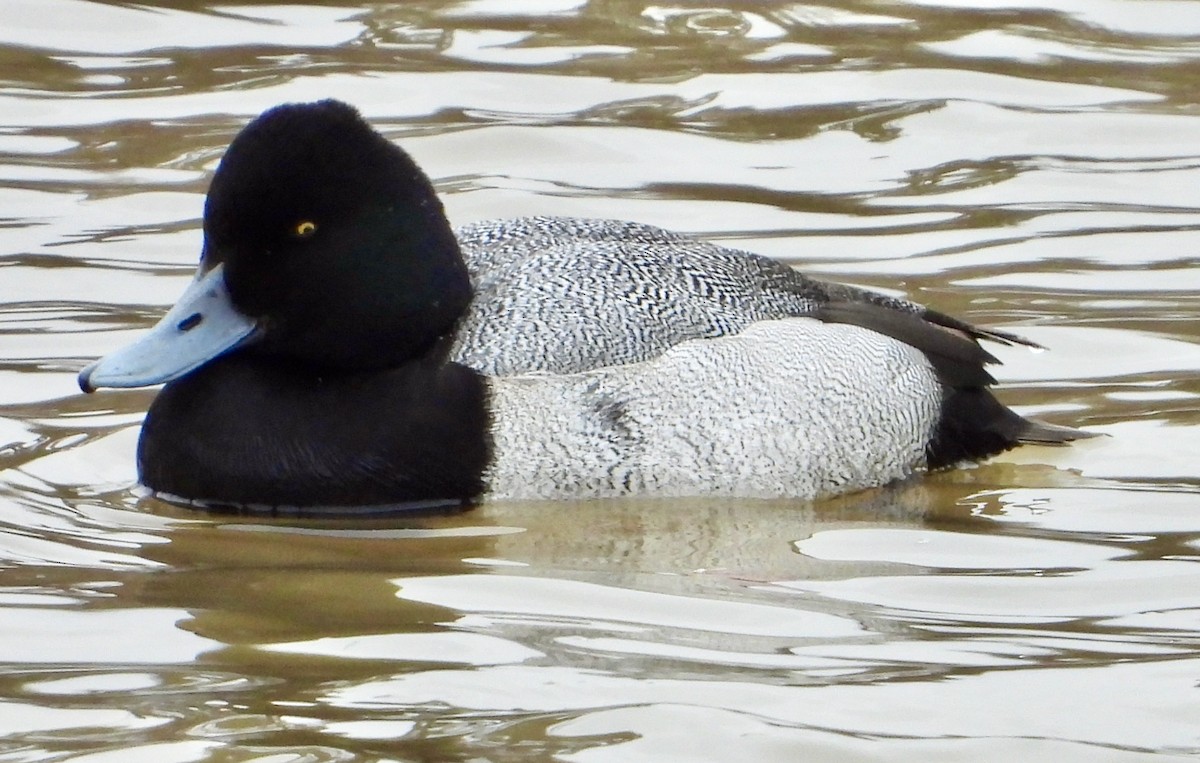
point(1033, 165)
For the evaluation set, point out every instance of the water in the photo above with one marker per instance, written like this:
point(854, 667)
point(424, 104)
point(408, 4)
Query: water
point(1032, 166)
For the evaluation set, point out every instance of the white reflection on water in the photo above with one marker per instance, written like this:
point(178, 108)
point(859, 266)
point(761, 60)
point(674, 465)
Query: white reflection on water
point(508, 596)
point(1170, 18)
point(69, 636)
point(457, 648)
point(1014, 704)
point(131, 29)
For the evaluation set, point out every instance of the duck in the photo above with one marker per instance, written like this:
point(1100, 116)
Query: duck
point(341, 345)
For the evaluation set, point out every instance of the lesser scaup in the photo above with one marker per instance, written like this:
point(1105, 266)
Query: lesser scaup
point(342, 345)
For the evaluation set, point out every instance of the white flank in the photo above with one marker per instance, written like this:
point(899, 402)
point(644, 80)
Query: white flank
point(791, 407)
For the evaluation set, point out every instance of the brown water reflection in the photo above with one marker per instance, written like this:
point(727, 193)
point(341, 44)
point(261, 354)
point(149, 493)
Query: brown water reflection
point(1027, 165)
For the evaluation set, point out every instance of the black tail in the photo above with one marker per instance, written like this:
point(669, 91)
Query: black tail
point(975, 425)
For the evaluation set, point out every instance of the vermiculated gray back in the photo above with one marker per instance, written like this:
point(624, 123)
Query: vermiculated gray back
point(564, 295)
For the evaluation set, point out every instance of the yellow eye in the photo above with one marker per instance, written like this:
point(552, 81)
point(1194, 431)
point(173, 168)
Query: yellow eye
point(304, 229)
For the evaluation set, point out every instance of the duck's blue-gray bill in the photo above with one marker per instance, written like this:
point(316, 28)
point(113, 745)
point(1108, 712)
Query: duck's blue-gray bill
point(202, 325)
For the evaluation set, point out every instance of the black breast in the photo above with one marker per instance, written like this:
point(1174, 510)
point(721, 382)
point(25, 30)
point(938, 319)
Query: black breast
point(252, 430)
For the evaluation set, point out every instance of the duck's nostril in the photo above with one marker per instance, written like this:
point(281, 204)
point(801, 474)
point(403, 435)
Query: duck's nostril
point(190, 322)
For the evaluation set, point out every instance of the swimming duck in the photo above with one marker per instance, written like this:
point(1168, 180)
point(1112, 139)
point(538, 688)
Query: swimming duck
point(342, 345)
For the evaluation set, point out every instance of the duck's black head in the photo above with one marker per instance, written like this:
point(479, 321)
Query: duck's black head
point(332, 240)
point(324, 245)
